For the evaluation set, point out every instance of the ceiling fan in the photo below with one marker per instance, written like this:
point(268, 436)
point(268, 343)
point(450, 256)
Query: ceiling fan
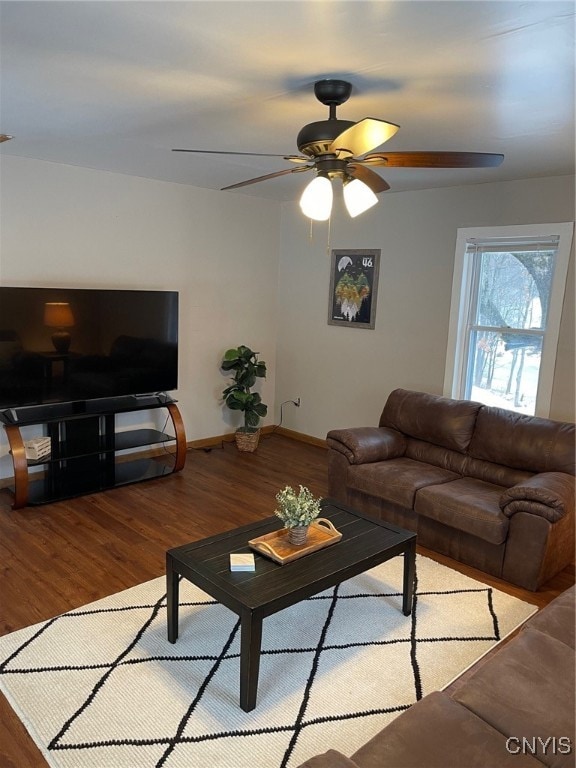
point(338, 149)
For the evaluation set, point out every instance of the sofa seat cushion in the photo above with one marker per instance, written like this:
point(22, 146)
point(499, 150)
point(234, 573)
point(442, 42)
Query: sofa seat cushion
point(468, 505)
point(436, 732)
point(527, 690)
point(558, 619)
point(396, 480)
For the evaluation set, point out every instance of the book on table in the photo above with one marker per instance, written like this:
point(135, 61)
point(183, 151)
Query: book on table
point(242, 562)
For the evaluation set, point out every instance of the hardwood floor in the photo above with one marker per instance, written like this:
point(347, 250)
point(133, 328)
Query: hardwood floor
point(67, 554)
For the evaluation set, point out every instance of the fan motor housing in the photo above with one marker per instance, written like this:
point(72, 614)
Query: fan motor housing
point(332, 92)
point(315, 138)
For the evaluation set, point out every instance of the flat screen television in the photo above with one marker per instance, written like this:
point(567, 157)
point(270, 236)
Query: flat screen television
point(60, 345)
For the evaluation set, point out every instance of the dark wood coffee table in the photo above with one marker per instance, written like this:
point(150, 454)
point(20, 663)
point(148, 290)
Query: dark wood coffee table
point(272, 587)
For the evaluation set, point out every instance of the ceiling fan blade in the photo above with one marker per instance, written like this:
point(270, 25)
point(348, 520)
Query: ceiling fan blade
point(250, 154)
point(268, 176)
point(434, 159)
point(363, 136)
point(370, 178)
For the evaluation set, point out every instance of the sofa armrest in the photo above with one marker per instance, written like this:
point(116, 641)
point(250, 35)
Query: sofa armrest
point(330, 759)
point(548, 494)
point(363, 445)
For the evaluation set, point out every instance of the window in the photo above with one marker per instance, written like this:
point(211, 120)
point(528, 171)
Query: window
point(507, 297)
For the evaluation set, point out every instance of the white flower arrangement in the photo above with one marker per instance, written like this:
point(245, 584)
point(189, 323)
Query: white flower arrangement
point(297, 509)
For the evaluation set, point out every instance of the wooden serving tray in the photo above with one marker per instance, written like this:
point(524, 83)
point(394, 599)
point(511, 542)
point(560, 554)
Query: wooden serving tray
point(276, 545)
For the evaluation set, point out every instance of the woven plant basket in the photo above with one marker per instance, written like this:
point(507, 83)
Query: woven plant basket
point(298, 535)
point(247, 441)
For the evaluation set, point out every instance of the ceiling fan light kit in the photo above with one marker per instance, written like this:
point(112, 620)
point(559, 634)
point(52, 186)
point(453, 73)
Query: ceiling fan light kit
point(358, 197)
point(338, 149)
point(316, 200)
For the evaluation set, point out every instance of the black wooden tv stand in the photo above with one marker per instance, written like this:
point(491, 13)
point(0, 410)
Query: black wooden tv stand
point(88, 453)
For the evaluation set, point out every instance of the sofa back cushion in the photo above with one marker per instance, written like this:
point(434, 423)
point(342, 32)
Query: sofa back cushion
point(527, 443)
point(494, 473)
point(428, 453)
point(432, 418)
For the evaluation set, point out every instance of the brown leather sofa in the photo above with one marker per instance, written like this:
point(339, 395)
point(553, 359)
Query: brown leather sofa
point(488, 487)
point(514, 708)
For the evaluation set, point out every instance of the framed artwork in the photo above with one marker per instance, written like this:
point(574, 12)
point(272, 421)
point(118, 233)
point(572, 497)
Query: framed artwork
point(353, 288)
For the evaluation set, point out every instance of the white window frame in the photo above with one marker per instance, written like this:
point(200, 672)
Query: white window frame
point(462, 291)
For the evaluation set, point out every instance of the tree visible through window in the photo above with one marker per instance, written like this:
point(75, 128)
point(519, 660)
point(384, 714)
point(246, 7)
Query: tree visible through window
point(508, 326)
point(507, 288)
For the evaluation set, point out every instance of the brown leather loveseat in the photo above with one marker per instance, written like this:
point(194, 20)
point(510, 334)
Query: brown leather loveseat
point(488, 487)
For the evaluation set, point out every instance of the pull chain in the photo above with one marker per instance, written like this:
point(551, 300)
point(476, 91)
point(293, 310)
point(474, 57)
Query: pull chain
point(311, 233)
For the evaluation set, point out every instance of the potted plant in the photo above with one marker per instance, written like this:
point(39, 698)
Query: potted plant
point(297, 511)
point(239, 397)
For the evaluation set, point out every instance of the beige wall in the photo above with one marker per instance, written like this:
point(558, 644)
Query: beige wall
point(69, 226)
point(343, 375)
point(248, 272)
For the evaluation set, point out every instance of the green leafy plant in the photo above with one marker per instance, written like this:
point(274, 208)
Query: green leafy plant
point(295, 509)
point(238, 395)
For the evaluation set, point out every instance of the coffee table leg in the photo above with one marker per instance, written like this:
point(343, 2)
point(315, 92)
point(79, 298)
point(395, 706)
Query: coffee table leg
point(172, 600)
point(409, 574)
point(250, 642)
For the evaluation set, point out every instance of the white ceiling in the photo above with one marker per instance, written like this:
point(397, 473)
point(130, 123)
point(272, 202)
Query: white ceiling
point(117, 85)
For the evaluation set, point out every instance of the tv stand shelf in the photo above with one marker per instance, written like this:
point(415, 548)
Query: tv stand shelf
point(89, 453)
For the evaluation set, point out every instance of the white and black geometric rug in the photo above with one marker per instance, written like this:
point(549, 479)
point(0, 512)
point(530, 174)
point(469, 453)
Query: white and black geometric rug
point(101, 687)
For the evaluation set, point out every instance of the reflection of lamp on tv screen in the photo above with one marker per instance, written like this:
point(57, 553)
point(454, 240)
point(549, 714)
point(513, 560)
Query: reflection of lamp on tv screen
point(124, 342)
point(57, 314)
